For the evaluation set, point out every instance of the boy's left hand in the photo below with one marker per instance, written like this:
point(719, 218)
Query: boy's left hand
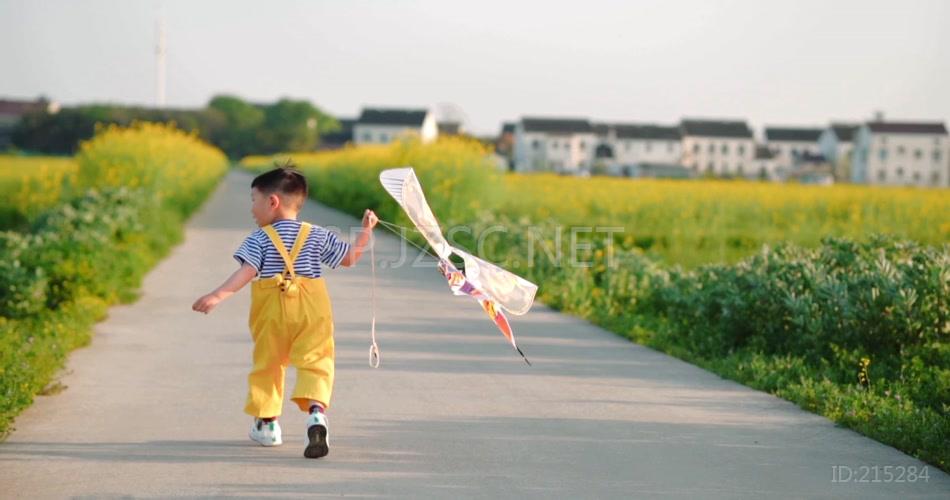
point(369, 219)
point(206, 303)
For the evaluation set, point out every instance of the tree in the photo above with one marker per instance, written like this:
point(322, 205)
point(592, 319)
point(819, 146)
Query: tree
point(242, 120)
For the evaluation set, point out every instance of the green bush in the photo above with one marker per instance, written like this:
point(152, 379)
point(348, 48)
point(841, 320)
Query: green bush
point(79, 257)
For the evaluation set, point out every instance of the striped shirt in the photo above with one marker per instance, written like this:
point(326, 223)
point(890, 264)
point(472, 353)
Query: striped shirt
point(321, 248)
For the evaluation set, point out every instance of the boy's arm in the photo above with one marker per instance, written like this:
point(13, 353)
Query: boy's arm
point(356, 250)
point(234, 283)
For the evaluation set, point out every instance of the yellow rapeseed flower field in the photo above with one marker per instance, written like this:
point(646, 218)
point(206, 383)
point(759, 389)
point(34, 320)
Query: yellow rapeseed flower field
point(31, 184)
point(695, 222)
point(687, 222)
point(176, 166)
point(173, 165)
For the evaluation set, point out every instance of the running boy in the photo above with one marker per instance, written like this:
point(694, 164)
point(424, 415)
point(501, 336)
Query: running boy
point(290, 318)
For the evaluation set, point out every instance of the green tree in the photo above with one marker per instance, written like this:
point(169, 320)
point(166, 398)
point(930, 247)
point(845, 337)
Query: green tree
point(241, 122)
point(293, 125)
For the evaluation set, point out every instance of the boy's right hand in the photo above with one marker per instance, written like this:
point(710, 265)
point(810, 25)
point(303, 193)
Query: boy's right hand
point(206, 303)
point(369, 219)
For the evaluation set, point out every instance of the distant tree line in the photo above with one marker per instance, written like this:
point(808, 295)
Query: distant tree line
point(236, 126)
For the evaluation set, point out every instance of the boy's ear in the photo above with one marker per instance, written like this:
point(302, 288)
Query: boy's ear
point(273, 200)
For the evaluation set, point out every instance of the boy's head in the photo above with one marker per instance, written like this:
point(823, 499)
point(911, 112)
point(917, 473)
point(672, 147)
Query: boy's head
point(280, 192)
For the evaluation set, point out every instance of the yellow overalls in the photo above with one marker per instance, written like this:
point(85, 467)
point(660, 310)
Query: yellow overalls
point(290, 320)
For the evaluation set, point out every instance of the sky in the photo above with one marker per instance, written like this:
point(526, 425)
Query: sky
point(789, 62)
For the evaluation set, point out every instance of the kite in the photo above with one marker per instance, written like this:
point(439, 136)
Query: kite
point(494, 288)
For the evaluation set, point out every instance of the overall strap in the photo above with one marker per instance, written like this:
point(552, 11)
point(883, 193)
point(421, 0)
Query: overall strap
point(298, 244)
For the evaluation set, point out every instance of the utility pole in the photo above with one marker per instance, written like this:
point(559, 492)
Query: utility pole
point(160, 60)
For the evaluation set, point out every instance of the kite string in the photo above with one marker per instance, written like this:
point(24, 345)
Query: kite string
point(401, 233)
point(373, 349)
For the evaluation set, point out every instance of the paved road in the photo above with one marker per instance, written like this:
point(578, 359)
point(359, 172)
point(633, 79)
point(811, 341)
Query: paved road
point(153, 406)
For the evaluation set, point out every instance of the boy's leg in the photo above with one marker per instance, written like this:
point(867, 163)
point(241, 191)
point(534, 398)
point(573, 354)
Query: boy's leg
point(266, 381)
point(312, 353)
point(312, 349)
point(265, 393)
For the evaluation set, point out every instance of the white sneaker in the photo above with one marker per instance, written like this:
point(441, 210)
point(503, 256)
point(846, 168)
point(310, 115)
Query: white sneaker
point(266, 433)
point(319, 435)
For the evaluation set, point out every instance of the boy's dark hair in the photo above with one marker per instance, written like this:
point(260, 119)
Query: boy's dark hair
point(284, 180)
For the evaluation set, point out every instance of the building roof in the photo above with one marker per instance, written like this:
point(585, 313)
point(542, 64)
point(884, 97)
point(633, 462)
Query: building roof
point(793, 134)
point(763, 152)
point(908, 128)
point(557, 125)
point(844, 131)
point(636, 131)
point(716, 128)
point(601, 129)
point(507, 128)
point(342, 136)
point(404, 117)
point(12, 107)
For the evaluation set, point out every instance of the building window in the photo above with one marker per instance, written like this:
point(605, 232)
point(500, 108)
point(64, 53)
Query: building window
point(583, 145)
point(900, 150)
point(648, 146)
point(739, 168)
point(712, 148)
point(696, 148)
point(918, 154)
point(554, 144)
point(900, 171)
point(627, 145)
point(536, 144)
point(881, 175)
point(368, 137)
point(935, 178)
point(709, 168)
point(882, 154)
point(725, 149)
point(936, 155)
point(383, 138)
point(916, 176)
point(741, 149)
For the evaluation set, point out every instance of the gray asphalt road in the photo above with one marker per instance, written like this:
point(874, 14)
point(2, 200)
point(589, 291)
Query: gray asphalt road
point(154, 406)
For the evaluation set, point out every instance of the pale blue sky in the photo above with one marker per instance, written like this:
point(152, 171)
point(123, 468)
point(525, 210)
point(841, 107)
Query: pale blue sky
point(772, 62)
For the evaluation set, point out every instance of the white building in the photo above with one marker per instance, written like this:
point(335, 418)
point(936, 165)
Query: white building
point(564, 145)
point(836, 144)
point(575, 145)
point(718, 147)
point(901, 153)
point(636, 144)
point(792, 143)
point(837, 141)
point(382, 126)
point(766, 168)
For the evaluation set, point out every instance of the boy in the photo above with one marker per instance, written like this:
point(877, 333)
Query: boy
point(290, 318)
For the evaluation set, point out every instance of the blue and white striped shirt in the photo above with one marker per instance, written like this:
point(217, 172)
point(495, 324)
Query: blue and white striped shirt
point(322, 247)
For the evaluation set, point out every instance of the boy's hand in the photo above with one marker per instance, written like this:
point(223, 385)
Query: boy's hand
point(206, 303)
point(369, 219)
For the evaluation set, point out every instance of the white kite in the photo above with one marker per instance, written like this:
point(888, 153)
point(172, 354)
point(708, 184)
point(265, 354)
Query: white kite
point(493, 287)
